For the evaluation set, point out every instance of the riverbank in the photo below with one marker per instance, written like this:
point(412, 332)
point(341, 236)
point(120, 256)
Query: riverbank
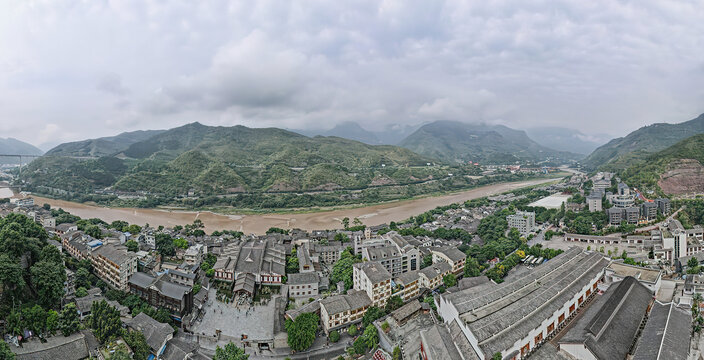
point(259, 223)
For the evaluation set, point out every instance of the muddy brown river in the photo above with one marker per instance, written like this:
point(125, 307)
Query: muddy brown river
point(258, 224)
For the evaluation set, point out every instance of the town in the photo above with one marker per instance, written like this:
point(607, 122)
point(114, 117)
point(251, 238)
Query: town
point(582, 268)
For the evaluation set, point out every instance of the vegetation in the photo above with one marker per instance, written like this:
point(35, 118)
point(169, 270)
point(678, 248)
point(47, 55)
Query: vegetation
point(301, 332)
point(393, 303)
point(105, 321)
point(342, 269)
point(449, 280)
point(136, 341)
point(230, 352)
point(334, 336)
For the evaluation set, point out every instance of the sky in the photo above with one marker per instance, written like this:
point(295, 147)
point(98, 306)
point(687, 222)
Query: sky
point(72, 70)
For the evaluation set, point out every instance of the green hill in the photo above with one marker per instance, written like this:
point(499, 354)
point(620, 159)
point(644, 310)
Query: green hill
point(458, 142)
point(220, 160)
point(675, 170)
point(620, 153)
point(102, 146)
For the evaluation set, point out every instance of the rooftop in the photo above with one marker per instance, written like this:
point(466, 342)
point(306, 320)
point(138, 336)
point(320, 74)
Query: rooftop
point(638, 272)
point(340, 303)
point(666, 334)
point(374, 271)
point(156, 333)
point(302, 278)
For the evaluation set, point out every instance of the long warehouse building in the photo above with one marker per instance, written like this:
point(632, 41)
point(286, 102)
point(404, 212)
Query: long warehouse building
point(513, 318)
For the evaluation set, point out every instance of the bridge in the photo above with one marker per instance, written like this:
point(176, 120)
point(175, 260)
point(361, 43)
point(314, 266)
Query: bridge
point(19, 156)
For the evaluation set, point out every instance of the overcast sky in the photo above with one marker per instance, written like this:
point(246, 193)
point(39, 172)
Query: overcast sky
point(72, 70)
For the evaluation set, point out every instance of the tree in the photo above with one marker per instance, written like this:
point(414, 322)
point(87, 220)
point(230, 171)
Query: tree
point(34, 318)
point(105, 321)
point(346, 223)
point(497, 356)
point(371, 336)
point(165, 244)
point(230, 352)
point(132, 246)
point(301, 332)
point(94, 231)
point(11, 277)
point(449, 280)
point(181, 243)
point(352, 331)
point(82, 278)
point(334, 336)
point(396, 354)
point(427, 261)
point(692, 262)
point(48, 279)
point(81, 292)
point(471, 267)
point(52, 254)
point(138, 343)
point(292, 262)
point(52, 322)
point(69, 323)
point(120, 355)
point(342, 269)
point(342, 237)
point(5, 352)
point(394, 303)
point(372, 314)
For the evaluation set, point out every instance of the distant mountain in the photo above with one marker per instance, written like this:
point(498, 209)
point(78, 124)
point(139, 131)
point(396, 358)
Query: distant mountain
point(454, 141)
point(391, 134)
point(675, 170)
point(10, 146)
point(622, 152)
point(102, 146)
point(219, 160)
point(566, 139)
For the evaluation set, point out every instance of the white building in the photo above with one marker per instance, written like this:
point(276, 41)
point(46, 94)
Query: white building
point(524, 221)
point(374, 280)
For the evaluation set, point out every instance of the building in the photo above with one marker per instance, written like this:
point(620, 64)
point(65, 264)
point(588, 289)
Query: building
point(601, 184)
point(649, 210)
point(303, 285)
point(159, 291)
point(666, 334)
point(407, 286)
point(632, 215)
point(524, 221)
point(452, 256)
point(618, 271)
point(594, 202)
point(431, 276)
point(437, 343)
point(195, 254)
point(615, 215)
point(663, 205)
point(514, 317)
point(262, 258)
point(157, 334)
point(609, 327)
point(114, 265)
point(374, 280)
point(395, 260)
point(328, 254)
point(341, 310)
point(185, 277)
point(623, 189)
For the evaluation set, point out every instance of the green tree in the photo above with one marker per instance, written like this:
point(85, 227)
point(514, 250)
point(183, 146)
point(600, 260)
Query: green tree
point(136, 341)
point(371, 336)
point(120, 355)
point(342, 269)
point(352, 331)
point(396, 355)
point(35, 318)
point(449, 280)
point(132, 246)
point(81, 292)
point(82, 278)
point(342, 237)
point(48, 279)
point(52, 254)
point(471, 267)
point(5, 352)
point(230, 352)
point(105, 321)
point(301, 332)
point(165, 244)
point(292, 262)
point(497, 356)
point(427, 261)
point(334, 336)
point(181, 243)
point(94, 231)
point(691, 263)
point(346, 223)
point(52, 322)
point(11, 278)
point(69, 322)
point(372, 314)
point(394, 303)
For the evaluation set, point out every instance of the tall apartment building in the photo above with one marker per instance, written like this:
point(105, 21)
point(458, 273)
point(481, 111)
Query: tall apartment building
point(663, 205)
point(373, 278)
point(594, 202)
point(114, 265)
point(524, 221)
point(649, 210)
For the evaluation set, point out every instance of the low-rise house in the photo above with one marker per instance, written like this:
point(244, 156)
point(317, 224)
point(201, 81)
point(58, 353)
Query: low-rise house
point(303, 285)
point(157, 334)
point(114, 265)
point(342, 310)
point(195, 254)
point(452, 256)
point(431, 276)
point(159, 291)
point(407, 285)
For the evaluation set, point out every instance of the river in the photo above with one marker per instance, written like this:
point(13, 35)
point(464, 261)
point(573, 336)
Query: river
point(258, 224)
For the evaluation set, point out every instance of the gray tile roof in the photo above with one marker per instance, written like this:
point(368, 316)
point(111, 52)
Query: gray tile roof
point(436, 269)
point(340, 303)
point(303, 278)
point(115, 253)
point(609, 326)
point(666, 334)
point(406, 311)
point(155, 332)
point(374, 271)
point(178, 349)
point(502, 314)
point(162, 283)
point(71, 347)
point(451, 252)
point(438, 344)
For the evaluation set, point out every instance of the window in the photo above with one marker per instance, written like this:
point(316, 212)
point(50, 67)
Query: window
point(561, 318)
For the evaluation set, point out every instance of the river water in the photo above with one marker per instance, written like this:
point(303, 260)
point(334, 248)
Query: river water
point(258, 224)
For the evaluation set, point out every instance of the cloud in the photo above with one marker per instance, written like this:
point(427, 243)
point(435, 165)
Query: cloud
point(598, 66)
